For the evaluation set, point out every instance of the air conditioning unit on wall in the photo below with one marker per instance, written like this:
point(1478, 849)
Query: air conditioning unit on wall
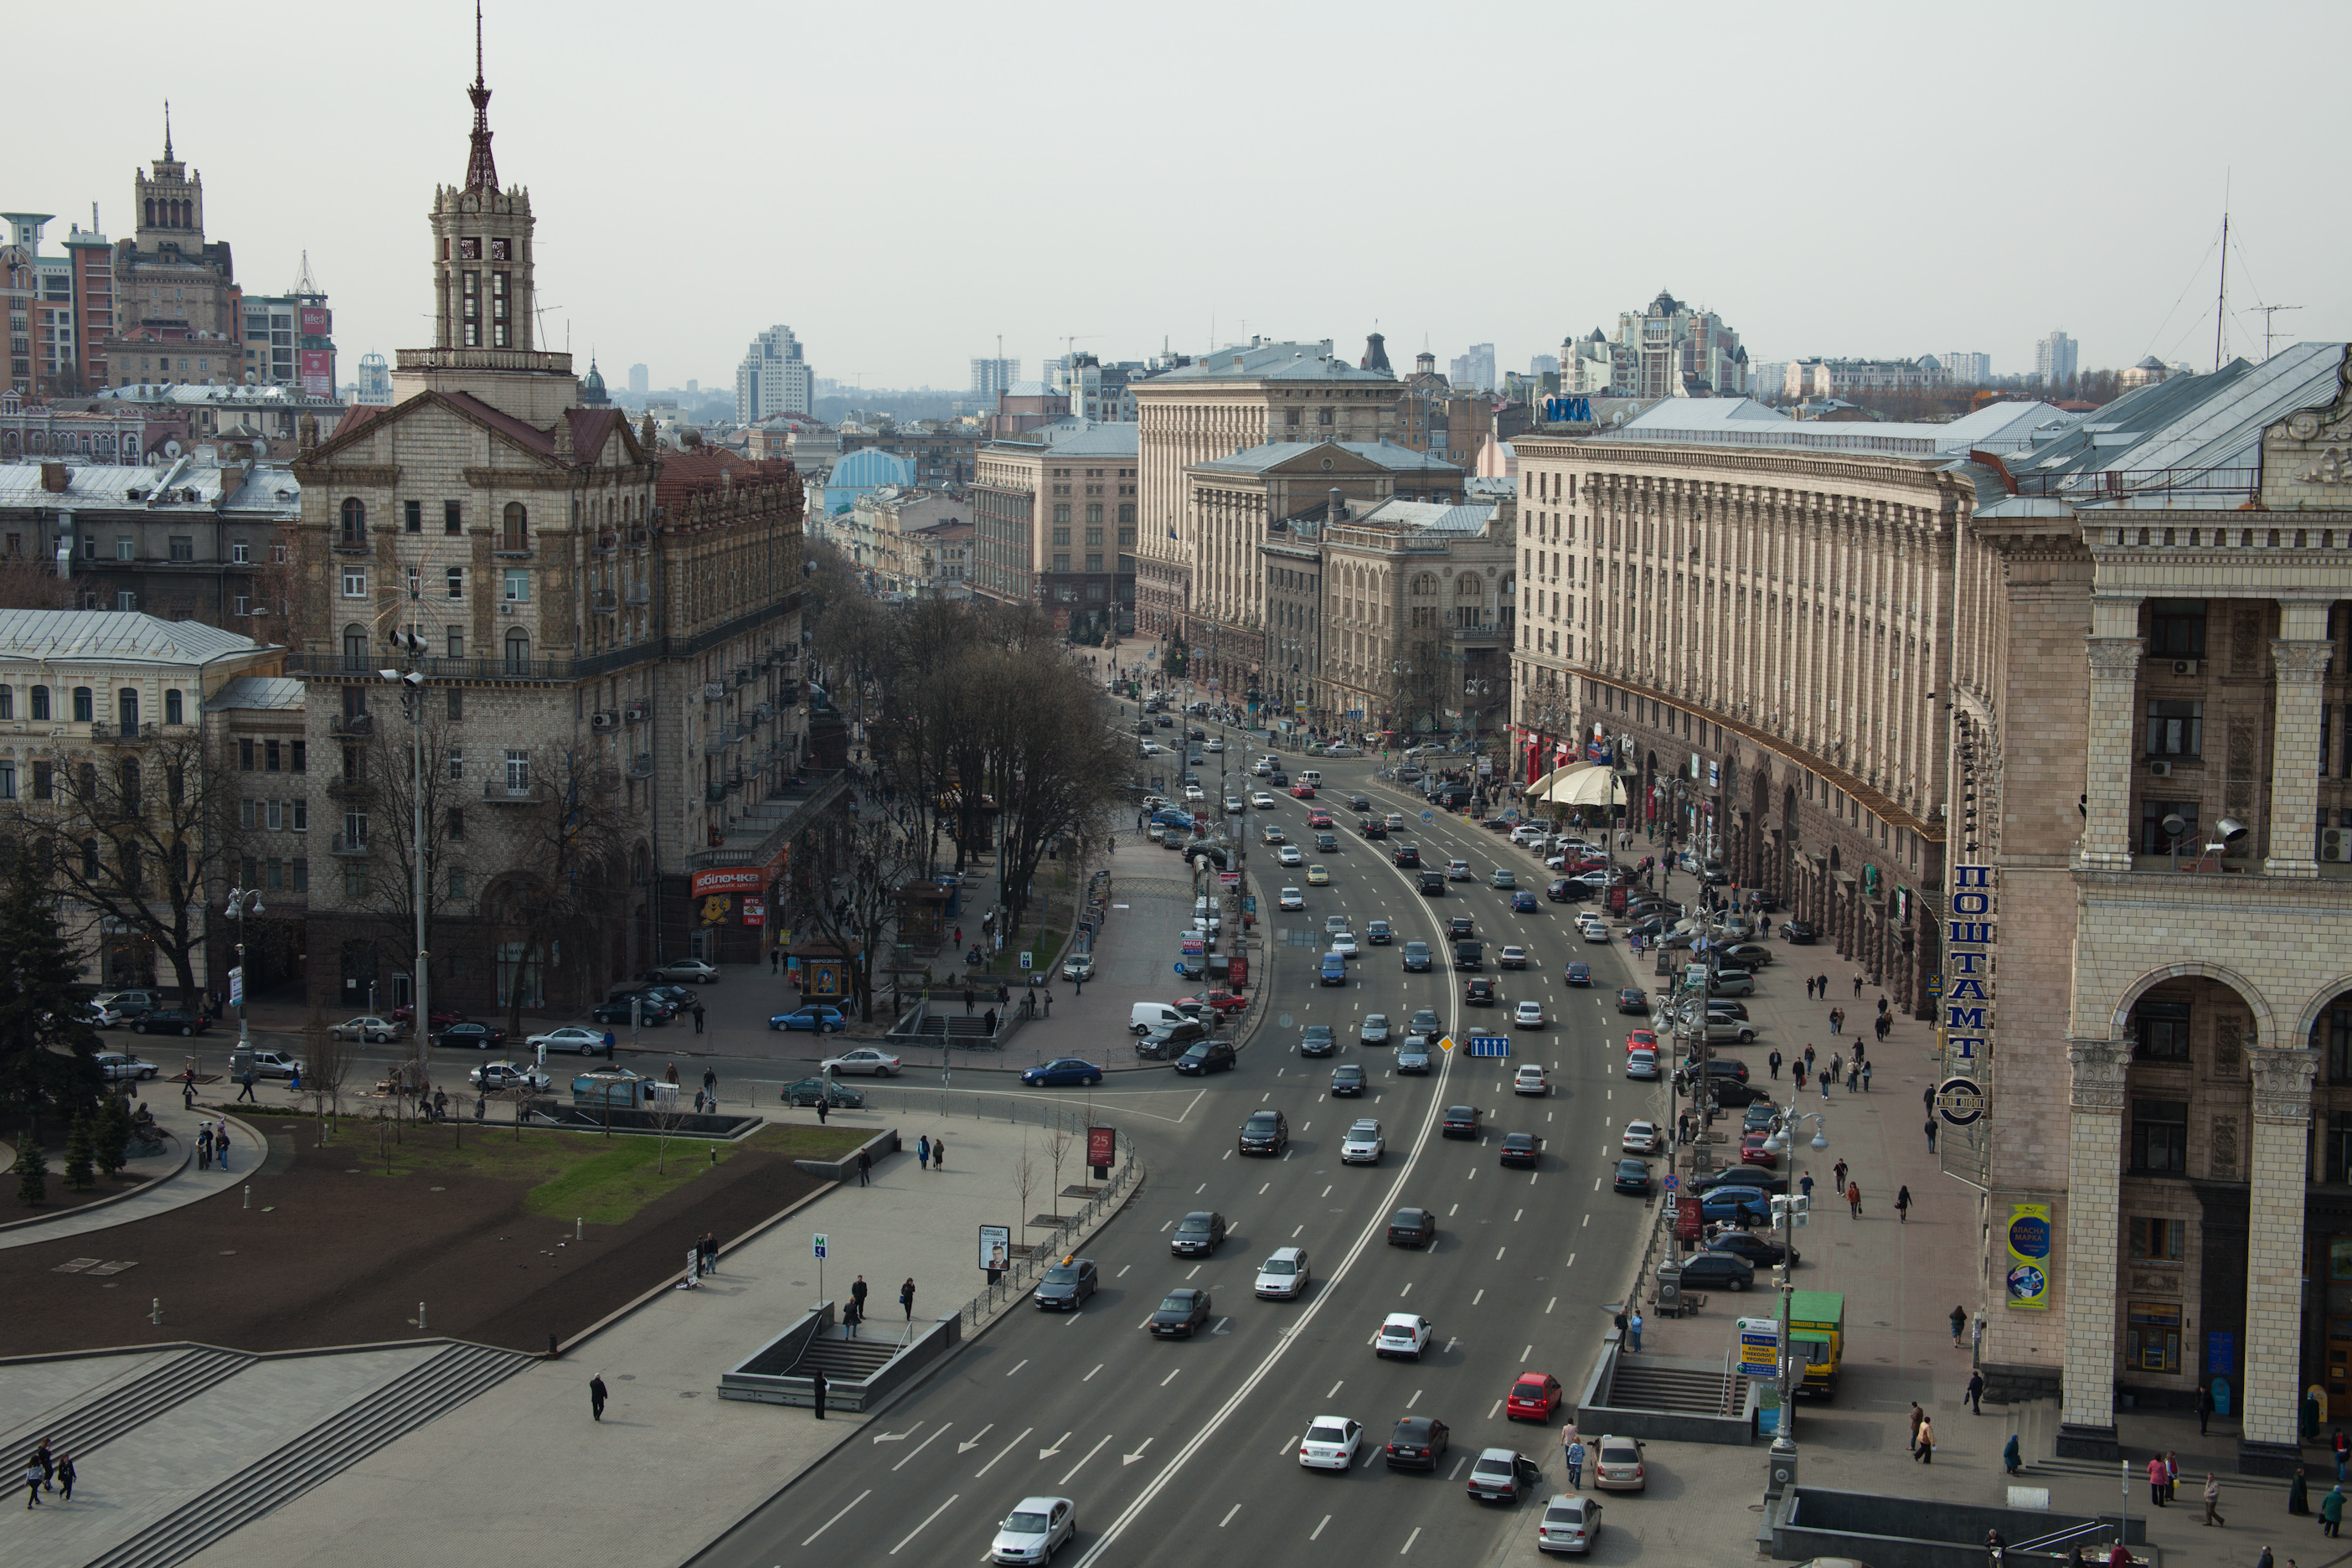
point(603, 723)
point(2186, 665)
point(2160, 769)
point(2336, 844)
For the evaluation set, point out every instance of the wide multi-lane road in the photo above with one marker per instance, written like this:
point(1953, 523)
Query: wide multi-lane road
point(1175, 1451)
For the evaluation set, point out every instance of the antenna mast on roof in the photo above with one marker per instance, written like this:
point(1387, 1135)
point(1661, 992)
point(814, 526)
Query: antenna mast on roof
point(2221, 304)
point(2267, 311)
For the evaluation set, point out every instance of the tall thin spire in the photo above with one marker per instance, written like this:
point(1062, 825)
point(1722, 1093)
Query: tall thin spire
point(167, 131)
point(481, 171)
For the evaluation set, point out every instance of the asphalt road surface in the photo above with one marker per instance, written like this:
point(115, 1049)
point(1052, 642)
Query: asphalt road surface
point(1180, 1451)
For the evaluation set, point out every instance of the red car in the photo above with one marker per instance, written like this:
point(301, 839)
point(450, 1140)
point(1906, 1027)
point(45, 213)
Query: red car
point(1753, 1153)
point(442, 1017)
point(1641, 1040)
point(1319, 817)
point(1222, 1001)
point(1304, 792)
point(1533, 1399)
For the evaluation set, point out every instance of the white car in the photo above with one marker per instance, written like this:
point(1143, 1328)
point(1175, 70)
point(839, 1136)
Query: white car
point(1263, 801)
point(865, 1060)
point(1526, 833)
point(1593, 878)
point(1214, 744)
point(1335, 924)
point(1569, 1524)
point(1457, 870)
point(1285, 1276)
point(1641, 1138)
point(1402, 1334)
point(1193, 795)
point(685, 970)
point(375, 1031)
point(120, 1066)
point(1511, 957)
point(1595, 932)
point(1291, 898)
point(1034, 1529)
point(509, 1075)
point(1344, 944)
point(1232, 805)
point(1363, 1145)
point(570, 1038)
point(1261, 768)
point(1289, 856)
point(1529, 1079)
point(1330, 1444)
point(1527, 1015)
point(1154, 749)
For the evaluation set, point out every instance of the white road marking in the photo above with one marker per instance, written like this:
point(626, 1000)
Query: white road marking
point(1024, 1362)
point(1478, 1298)
point(1228, 1154)
point(1229, 1516)
point(1414, 1400)
point(1548, 1305)
point(1326, 1191)
point(1196, 1269)
point(1261, 1191)
point(922, 1446)
point(1131, 1458)
point(924, 1525)
point(1516, 1214)
point(1125, 1267)
point(969, 1444)
point(1490, 1414)
point(1293, 1234)
point(1171, 1377)
point(1090, 1376)
point(1449, 1344)
point(1318, 1529)
point(1450, 1213)
point(1407, 1290)
point(1082, 1463)
point(1205, 1187)
point(853, 1502)
point(1523, 1355)
point(1049, 1453)
point(1596, 1187)
point(1571, 1261)
point(1074, 1317)
point(1335, 1390)
point(1498, 1255)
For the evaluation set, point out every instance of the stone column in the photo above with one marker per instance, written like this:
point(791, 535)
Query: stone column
point(2095, 1147)
point(2301, 657)
point(2113, 727)
point(2275, 1260)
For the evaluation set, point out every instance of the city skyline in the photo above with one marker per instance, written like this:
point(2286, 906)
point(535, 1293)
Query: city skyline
point(877, 313)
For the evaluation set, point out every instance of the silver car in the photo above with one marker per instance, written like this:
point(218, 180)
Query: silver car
point(1035, 1528)
point(1285, 1275)
point(688, 969)
point(1363, 1145)
point(1375, 1029)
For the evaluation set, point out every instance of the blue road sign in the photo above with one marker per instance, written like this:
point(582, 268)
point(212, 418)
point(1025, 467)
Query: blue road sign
point(1673, 1182)
point(1429, 816)
point(1490, 1045)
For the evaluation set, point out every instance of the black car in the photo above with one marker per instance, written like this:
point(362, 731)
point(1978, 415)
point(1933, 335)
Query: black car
point(470, 1035)
point(1633, 999)
point(1165, 1040)
point(1720, 1066)
point(1279, 779)
point(1347, 1080)
point(1433, 884)
point(1207, 1056)
point(1566, 891)
point(1730, 1094)
point(1316, 1040)
point(1461, 1122)
point(1759, 1252)
point(619, 1010)
point(1184, 1312)
point(1198, 1234)
point(1067, 1285)
point(1413, 1228)
point(1798, 933)
point(1459, 926)
point(1520, 1149)
point(1469, 954)
point(1372, 827)
point(1360, 803)
point(1424, 1021)
point(1265, 1133)
point(1718, 1271)
point(170, 1021)
point(1406, 854)
point(1479, 993)
point(1633, 1176)
point(1418, 1443)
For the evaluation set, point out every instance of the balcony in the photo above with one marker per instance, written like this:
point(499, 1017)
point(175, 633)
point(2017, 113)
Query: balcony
point(743, 676)
point(606, 543)
point(637, 537)
point(1478, 636)
point(714, 691)
point(347, 848)
point(642, 765)
point(602, 601)
point(638, 594)
point(499, 792)
point(760, 831)
point(116, 734)
point(714, 791)
point(351, 726)
point(345, 786)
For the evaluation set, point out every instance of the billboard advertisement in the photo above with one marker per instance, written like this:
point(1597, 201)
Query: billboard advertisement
point(317, 321)
point(995, 1248)
point(1102, 1145)
point(730, 879)
point(318, 371)
point(2029, 1256)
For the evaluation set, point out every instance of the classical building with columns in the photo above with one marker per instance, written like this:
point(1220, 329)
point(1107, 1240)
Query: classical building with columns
point(2057, 715)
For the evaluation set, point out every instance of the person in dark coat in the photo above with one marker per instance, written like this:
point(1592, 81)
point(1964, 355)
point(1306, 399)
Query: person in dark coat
point(2299, 1493)
point(816, 1386)
point(969, 996)
point(907, 1298)
point(596, 1397)
point(865, 1169)
point(65, 1478)
point(988, 1021)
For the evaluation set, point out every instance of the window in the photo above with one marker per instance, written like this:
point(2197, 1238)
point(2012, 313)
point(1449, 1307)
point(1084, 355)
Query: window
point(2160, 1137)
point(1094, 564)
point(2175, 728)
point(298, 814)
point(277, 873)
point(354, 882)
point(1094, 514)
point(356, 583)
point(270, 753)
point(517, 586)
point(274, 815)
point(355, 826)
point(8, 779)
point(300, 750)
point(456, 881)
point(2157, 1240)
point(2337, 1023)
point(518, 652)
point(126, 709)
point(301, 879)
point(515, 534)
point(453, 517)
point(2175, 628)
point(126, 600)
point(457, 764)
point(84, 706)
point(175, 708)
point(412, 516)
point(457, 703)
point(1126, 515)
point(354, 522)
point(244, 755)
point(40, 702)
point(518, 773)
point(183, 547)
point(1062, 515)
point(8, 702)
point(1292, 416)
point(2153, 840)
point(2338, 1147)
point(89, 865)
point(456, 580)
point(457, 824)
point(241, 552)
point(2152, 1336)
point(122, 549)
point(44, 782)
point(1062, 563)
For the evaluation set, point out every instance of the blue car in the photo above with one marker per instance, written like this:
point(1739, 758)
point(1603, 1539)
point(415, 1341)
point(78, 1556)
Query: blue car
point(815, 1016)
point(1579, 974)
point(1063, 1069)
point(1523, 901)
point(1736, 1203)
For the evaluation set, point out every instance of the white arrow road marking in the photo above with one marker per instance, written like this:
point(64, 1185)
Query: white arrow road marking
point(1082, 1463)
point(969, 1444)
point(924, 1525)
point(1049, 1453)
point(829, 1523)
point(1450, 1343)
point(1131, 1458)
point(1004, 1450)
point(898, 1436)
point(922, 1446)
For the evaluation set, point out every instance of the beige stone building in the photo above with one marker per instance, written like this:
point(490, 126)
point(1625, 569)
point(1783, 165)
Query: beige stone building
point(2094, 673)
point(1418, 617)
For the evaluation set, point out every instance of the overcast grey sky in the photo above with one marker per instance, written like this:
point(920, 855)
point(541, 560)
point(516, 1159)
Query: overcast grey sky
point(901, 183)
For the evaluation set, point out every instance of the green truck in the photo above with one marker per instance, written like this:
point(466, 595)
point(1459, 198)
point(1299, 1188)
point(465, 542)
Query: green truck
point(1817, 1327)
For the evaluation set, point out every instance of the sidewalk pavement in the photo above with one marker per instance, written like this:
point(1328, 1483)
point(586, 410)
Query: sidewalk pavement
point(672, 1465)
point(180, 1182)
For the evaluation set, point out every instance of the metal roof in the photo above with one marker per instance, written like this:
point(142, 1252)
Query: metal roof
point(1428, 517)
point(115, 636)
point(1384, 454)
point(110, 485)
point(1112, 440)
point(1744, 422)
point(273, 693)
point(1269, 361)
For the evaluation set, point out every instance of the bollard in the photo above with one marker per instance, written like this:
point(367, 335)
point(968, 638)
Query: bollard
point(420, 1317)
point(156, 1314)
point(248, 1194)
point(579, 1227)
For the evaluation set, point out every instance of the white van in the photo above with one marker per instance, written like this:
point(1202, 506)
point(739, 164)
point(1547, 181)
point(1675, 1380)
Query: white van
point(1205, 915)
point(1147, 1017)
point(1311, 776)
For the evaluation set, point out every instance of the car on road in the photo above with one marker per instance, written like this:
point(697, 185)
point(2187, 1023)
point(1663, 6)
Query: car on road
point(1564, 890)
point(1291, 898)
point(1034, 1530)
point(1578, 974)
point(170, 1021)
point(1570, 1523)
point(1418, 1443)
point(836, 1096)
point(1271, 833)
point(1266, 1132)
point(1738, 1205)
point(1415, 957)
point(1424, 1021)
point(693, 969)
point(1348, 1081)
point(1413, 1228)
point(1461, 1122)
point(1632, 1176)
point(1403, 1334)
point(1063, 1070)
point(1233, 807)
point(1374, 1029)
point(442, 1017)
point(1330, 1444)
point(1162, 1042)
point(1344, 944)
point(1411, 1059)
point(1633, 999)
point(1067, 1285)
point(1529, 1079)
point(1768, 1182)
point(1225, 1003)
point(1758, 1252)
point(500, 1075)
point(470, 1035)
point(1511, 958)
point(374, 1030)
point(1522, 902)
point(1317, 877)
point(264, 1064)
point(1379, 934)
point(1207, 1057)
point(815, 1016)
point(1642, 1065)
point(1319, 817)
point(1285, 1276)
point(1481, 992)
point(1182, 1313)
point(865, 1059)
point(1799, 934)
point(1316, 1040)
point(1363, 1144)
point(1593, 931)
point(1303, 791)
point(1263, 801)
point(1527, 1015)
point(1198, 1234)
point(1641, 1138)
point(1502, 1475)
point(1290, 855)
point(1457, 870)
point(1533, 1397)
point(1504, 877)
point(1521, 1150)
point(121, 1066)
point(125, 1004)
point(1406, 854)
point(1078, 966)
point(636, 1007)
point(1731, 983)
point(1617, 1465)
point(1641, 1040)
point(1433, 885)
point(1718, 1271)
point(1193, 795)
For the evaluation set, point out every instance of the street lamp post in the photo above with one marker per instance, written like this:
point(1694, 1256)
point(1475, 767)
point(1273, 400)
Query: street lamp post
point(243, 902)
point(410, 647)
point(1784, 1443)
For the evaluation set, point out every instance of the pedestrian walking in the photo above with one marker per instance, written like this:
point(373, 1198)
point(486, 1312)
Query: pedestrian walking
point(2213, 1501)
point(1809, 1056)
point(2171, 1475)
point(698, 1102)
point(710, 1252)
point(698, 1017)
point(2011, 1459)
point(1837, 1019)
point(1805, 1186)
point(2298, 1493)
point(2343, 1452)
point(1975, 1394)
point(1837, 1065)
point(2331, 1510)
point(1854, 1198)
point(32, 1485)
point(1633, 1328)
point(1931, 1135)
point(1809, 987)
point(1924, 1450)
point(1838, 1171)
point(821, 1107)
point(710, 1085)
point(816, 1387)
point(1857, 985)
point(865, 1169)
point(1825, 1086)
point(205, 1148)
point(1575, 1464)
point(1928, 1100)
point(969, 996)
point(907, 1298)
point(1048, 996)
point(65, 1478)
point(2156, 1481)
point(1903, 1205)
point(1918, 1415)
point(988, 1022)
point(775, 959)
point(939, 1153)
point(1773, 1061)
point(857, 1293)
point(48, 1461)
point(1798, 1073)
point(1852, 1077)
point(923, 1151)
point(1960, 1325)
point(244, 1089)
point(2265, 1560)
point(1866, 1077)
point(596, 1397)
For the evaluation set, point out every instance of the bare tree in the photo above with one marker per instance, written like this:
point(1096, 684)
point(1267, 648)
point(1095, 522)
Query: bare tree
point(29, 582)
point(847, 893)
point(1058, 1149)
point(567, 878)
point(327, 1061)
point(374, 782)
point(1025, 1181)
point(669, 1113)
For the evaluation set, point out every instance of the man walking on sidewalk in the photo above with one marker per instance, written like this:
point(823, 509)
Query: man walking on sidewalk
point(1773, 1061)
point(1854, 1198)
point(596, 1397)
point(907, 1298)
point(2213, 1501)
point(1931, 1135)
point(865, 1169)
point(1575, 1456)
point(1838, 1171)
point(1974, 1396)
point(1960, 1325)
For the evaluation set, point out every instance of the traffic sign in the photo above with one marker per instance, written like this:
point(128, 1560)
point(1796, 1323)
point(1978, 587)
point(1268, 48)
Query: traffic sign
point(1446, 1044)
point(818, 1248)
point(1673, 1182)
point(1429, 816)
point(1935, 984)
point(1025, 960)
point(1490, 1045)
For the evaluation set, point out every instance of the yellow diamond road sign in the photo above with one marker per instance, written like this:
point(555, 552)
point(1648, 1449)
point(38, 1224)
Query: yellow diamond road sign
point(1446, 1044)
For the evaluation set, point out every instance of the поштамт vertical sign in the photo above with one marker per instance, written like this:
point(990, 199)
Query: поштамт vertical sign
point(1964, 1100)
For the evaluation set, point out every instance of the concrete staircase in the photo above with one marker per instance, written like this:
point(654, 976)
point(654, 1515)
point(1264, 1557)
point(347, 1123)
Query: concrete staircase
point(1642, 1386)
point(418, 1396)
point(849, 1361)
point(141, 1399)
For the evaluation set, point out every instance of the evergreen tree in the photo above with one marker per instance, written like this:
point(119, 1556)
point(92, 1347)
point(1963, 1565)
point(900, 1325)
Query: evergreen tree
point(112, 1134)
point(32, 1176)
point(79, 1177)
point(47, 1052)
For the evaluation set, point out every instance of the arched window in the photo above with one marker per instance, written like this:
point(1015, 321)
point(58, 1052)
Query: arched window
point(8, 702)
point(126, 707)
point(85, 707)
point(355, 646)
point(518, 652)
point(174, 710)
point(1469, 586)
point(1425, 585)
point(40, 702)
point(516, 534)
point(354, 521)
point(127, 777)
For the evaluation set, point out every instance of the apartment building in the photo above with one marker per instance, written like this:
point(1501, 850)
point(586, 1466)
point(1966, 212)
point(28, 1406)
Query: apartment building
point(1419, 610)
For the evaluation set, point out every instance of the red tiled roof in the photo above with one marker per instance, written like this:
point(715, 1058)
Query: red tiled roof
point(541, 441)
point(591, 428)
point(686, 473)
